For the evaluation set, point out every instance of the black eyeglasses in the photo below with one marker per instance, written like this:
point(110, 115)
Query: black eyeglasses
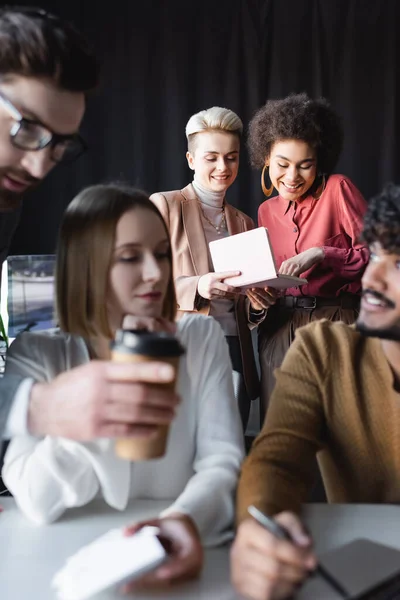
point(27, 134)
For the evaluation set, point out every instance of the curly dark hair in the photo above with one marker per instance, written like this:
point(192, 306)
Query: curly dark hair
point(35, 43)
point(296, 117)
point(382, 219)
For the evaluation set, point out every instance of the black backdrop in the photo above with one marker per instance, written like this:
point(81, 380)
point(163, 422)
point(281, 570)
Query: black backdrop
point(166, 59)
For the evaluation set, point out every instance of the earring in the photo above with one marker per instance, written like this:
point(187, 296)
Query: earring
point(321, 188)
point(267, 191)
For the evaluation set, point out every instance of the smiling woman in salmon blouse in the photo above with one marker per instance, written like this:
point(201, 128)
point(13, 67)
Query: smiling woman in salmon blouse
point(314, 223)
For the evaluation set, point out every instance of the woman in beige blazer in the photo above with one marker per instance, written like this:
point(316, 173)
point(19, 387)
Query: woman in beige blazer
point(198, 214)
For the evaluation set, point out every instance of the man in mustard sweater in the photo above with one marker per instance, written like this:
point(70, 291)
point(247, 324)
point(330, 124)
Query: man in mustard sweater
point(337, 396)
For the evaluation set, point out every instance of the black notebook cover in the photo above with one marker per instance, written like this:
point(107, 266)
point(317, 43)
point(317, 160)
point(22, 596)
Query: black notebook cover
point(367, 571)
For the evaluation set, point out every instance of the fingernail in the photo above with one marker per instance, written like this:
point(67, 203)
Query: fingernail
point(161, 573)
point(166, 372)
point(301, 539)
point(311, 563)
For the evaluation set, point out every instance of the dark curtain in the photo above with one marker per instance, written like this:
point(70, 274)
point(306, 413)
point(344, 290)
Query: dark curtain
point(164, 60)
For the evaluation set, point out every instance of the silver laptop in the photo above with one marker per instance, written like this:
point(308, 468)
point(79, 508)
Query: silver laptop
point(27, 293)
point(250, 253)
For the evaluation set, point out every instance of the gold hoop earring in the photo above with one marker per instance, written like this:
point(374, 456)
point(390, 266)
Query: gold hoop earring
point(266, 191)
point(321, 188)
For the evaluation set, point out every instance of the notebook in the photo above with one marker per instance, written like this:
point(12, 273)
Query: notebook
point(251, 254)
point(366, 570)
point(108, 561)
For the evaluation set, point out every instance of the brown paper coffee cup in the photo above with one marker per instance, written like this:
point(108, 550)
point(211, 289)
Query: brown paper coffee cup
point(145, 448)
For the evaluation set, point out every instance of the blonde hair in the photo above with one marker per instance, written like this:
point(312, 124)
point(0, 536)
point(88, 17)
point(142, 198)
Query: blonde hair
point(215, 118)
point(84, 257)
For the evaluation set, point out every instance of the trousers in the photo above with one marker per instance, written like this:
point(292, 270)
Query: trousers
point(237, 365)
point(277, 332)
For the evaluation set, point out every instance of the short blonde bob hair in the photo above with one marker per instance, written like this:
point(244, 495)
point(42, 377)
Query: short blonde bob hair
point(85, 255)
point(215, 118)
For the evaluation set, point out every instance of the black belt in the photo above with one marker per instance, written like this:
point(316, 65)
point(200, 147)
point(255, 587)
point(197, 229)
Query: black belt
point(311, 302)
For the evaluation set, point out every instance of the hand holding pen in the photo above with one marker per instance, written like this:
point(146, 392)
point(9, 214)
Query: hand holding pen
point(281, 533)
point(265, 567)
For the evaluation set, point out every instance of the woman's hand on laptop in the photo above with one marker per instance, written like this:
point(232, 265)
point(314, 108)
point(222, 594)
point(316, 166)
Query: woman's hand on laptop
point(212, 286)
point(181, 539)
point(262, 298)
point(296, 265)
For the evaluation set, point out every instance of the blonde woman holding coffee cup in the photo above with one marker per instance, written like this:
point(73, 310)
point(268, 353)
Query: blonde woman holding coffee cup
point(114, 268)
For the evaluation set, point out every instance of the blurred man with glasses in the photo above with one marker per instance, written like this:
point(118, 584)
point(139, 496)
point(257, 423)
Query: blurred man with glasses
point(31, 135)
point(46, 72)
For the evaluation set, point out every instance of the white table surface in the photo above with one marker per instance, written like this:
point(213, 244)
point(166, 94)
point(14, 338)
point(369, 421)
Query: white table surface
point(31, 554)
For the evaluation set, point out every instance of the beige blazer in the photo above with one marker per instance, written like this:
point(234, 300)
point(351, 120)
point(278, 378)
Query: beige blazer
point(191, 260)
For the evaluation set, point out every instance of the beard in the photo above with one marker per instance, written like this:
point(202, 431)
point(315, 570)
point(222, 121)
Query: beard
point(10, 200)
point(388, 332)
point(384, 333)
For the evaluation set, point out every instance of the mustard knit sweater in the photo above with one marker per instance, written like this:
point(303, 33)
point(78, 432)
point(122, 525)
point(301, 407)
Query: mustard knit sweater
point(334, 396)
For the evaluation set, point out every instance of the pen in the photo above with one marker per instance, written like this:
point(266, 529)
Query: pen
point(281, 533)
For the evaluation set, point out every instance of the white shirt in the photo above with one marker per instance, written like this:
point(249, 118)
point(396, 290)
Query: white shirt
point(17, 420)
point(199, 472)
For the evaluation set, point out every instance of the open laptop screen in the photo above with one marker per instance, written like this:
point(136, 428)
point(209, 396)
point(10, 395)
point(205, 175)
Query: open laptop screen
point(27, 293)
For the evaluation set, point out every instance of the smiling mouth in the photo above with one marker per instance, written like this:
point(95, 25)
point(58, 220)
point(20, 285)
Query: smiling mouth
point(291, 188)
point(375, 301)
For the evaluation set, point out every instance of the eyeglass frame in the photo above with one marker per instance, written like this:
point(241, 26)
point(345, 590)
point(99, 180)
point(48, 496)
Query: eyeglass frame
point(31, 11)
point(55, 138)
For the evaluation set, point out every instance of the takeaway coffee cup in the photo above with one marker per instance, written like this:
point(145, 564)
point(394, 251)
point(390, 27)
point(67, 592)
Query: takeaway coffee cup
point(139, 346)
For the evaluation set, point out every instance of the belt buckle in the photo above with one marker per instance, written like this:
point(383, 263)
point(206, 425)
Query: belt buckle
point(309, 303)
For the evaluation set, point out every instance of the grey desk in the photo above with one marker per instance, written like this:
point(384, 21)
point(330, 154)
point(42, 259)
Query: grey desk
point(30, 555)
